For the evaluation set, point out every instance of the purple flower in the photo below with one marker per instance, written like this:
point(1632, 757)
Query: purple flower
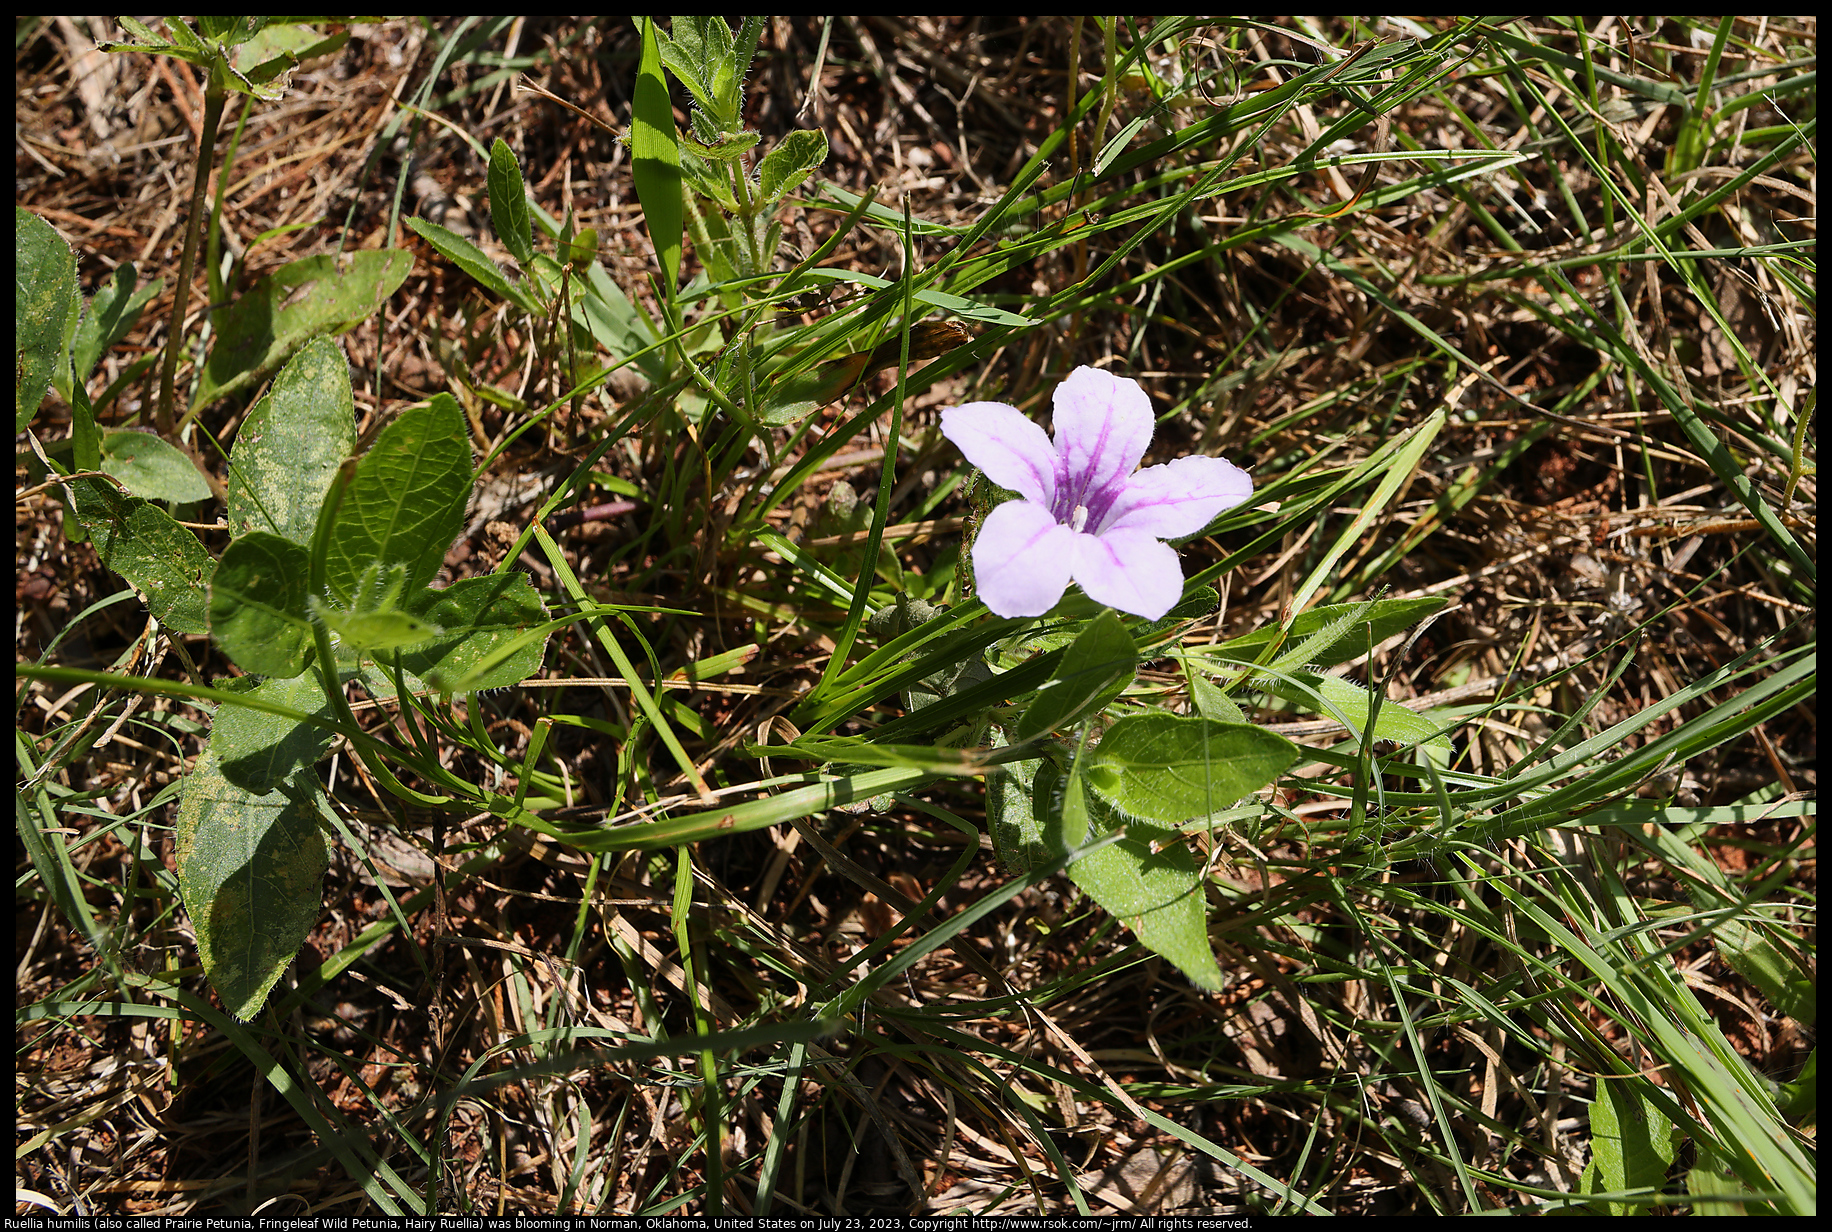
point(1085, 515)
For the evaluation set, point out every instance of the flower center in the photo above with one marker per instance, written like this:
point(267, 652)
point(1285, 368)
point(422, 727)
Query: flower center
point(1079, 518)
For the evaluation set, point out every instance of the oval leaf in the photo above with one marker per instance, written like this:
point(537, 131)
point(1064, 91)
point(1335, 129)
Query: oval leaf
point(1150, 882)
point(149, 467)
point(111, 314)
point(250, 857)
point(1394, 723)
point(405, 504)
point(291, 444)
point(509, 203)
point(141, 542)
point(44, 310)
point(790, 163)
point(318, 296)
point(1169, 768)
point(258, 604)
point(492, 633)
point(471, 259)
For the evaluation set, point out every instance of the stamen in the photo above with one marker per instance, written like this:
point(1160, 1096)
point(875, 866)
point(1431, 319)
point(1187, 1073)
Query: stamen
point(1079, 518)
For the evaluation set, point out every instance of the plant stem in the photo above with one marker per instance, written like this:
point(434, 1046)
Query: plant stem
point(181, 295)
point(748, 213)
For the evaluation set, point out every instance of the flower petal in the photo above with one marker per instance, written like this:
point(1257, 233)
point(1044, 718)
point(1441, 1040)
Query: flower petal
point(1002, 441)
point(1022, 559)
point(1128, 570)
point(1178, 498)
point(1103, 424)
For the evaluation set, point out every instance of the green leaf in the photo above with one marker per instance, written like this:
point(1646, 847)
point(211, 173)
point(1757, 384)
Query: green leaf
point(509, 203)
point(1344, 700)
point(1100, 662)
point(972, 310)
point(405, 504)
point(494, 633)
point(224, 47)
point(471, 259)
point(111, 314)
point(149, 467)
point(1024, 807)
point(1394, 723)
point(375, 622)
point(1198, 603)
point(279, 48)
point(1387, 616)
point(711, 181)
point(1769, 967)
point(698, 51)
point(715, 147)
point(618, 324)
point(1631, 1141)
point(743, 51)
point(581, 251)
point(790, 163)
point(1212, 703)
point(289, 448)
point(85, 443)
point(183, 45)
point(250, 857)
point(1800, 1098)
point(189, 43)
point(1149, 881)
point(1065, 817)
point(1340, 632)
point(655, 157)
point(230, 30)
point(141, 542)
point(258, 604)
point(45, 307)
point(316, 297)
point(793, 398)
point(1694, 135)
point(149, 40)
point(1170, 768)
point(1711, 1180)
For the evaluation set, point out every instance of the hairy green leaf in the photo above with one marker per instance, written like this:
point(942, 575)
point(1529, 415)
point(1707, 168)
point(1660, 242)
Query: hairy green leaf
point(492, 635)
point(250, 857)
point(509, 203)
point(258, 604)
point(1150, 882)
point(471, 259)
point(791, 162)
point(1171, 768)
point(113, 311)
point(405, 504)
point(311, 298)
point(1095, 667)
point(45, 307)
point(290, 446)
point(149, 467)
point(141, 542)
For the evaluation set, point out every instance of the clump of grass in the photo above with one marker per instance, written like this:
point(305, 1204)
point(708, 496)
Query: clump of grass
point(1515, 315)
